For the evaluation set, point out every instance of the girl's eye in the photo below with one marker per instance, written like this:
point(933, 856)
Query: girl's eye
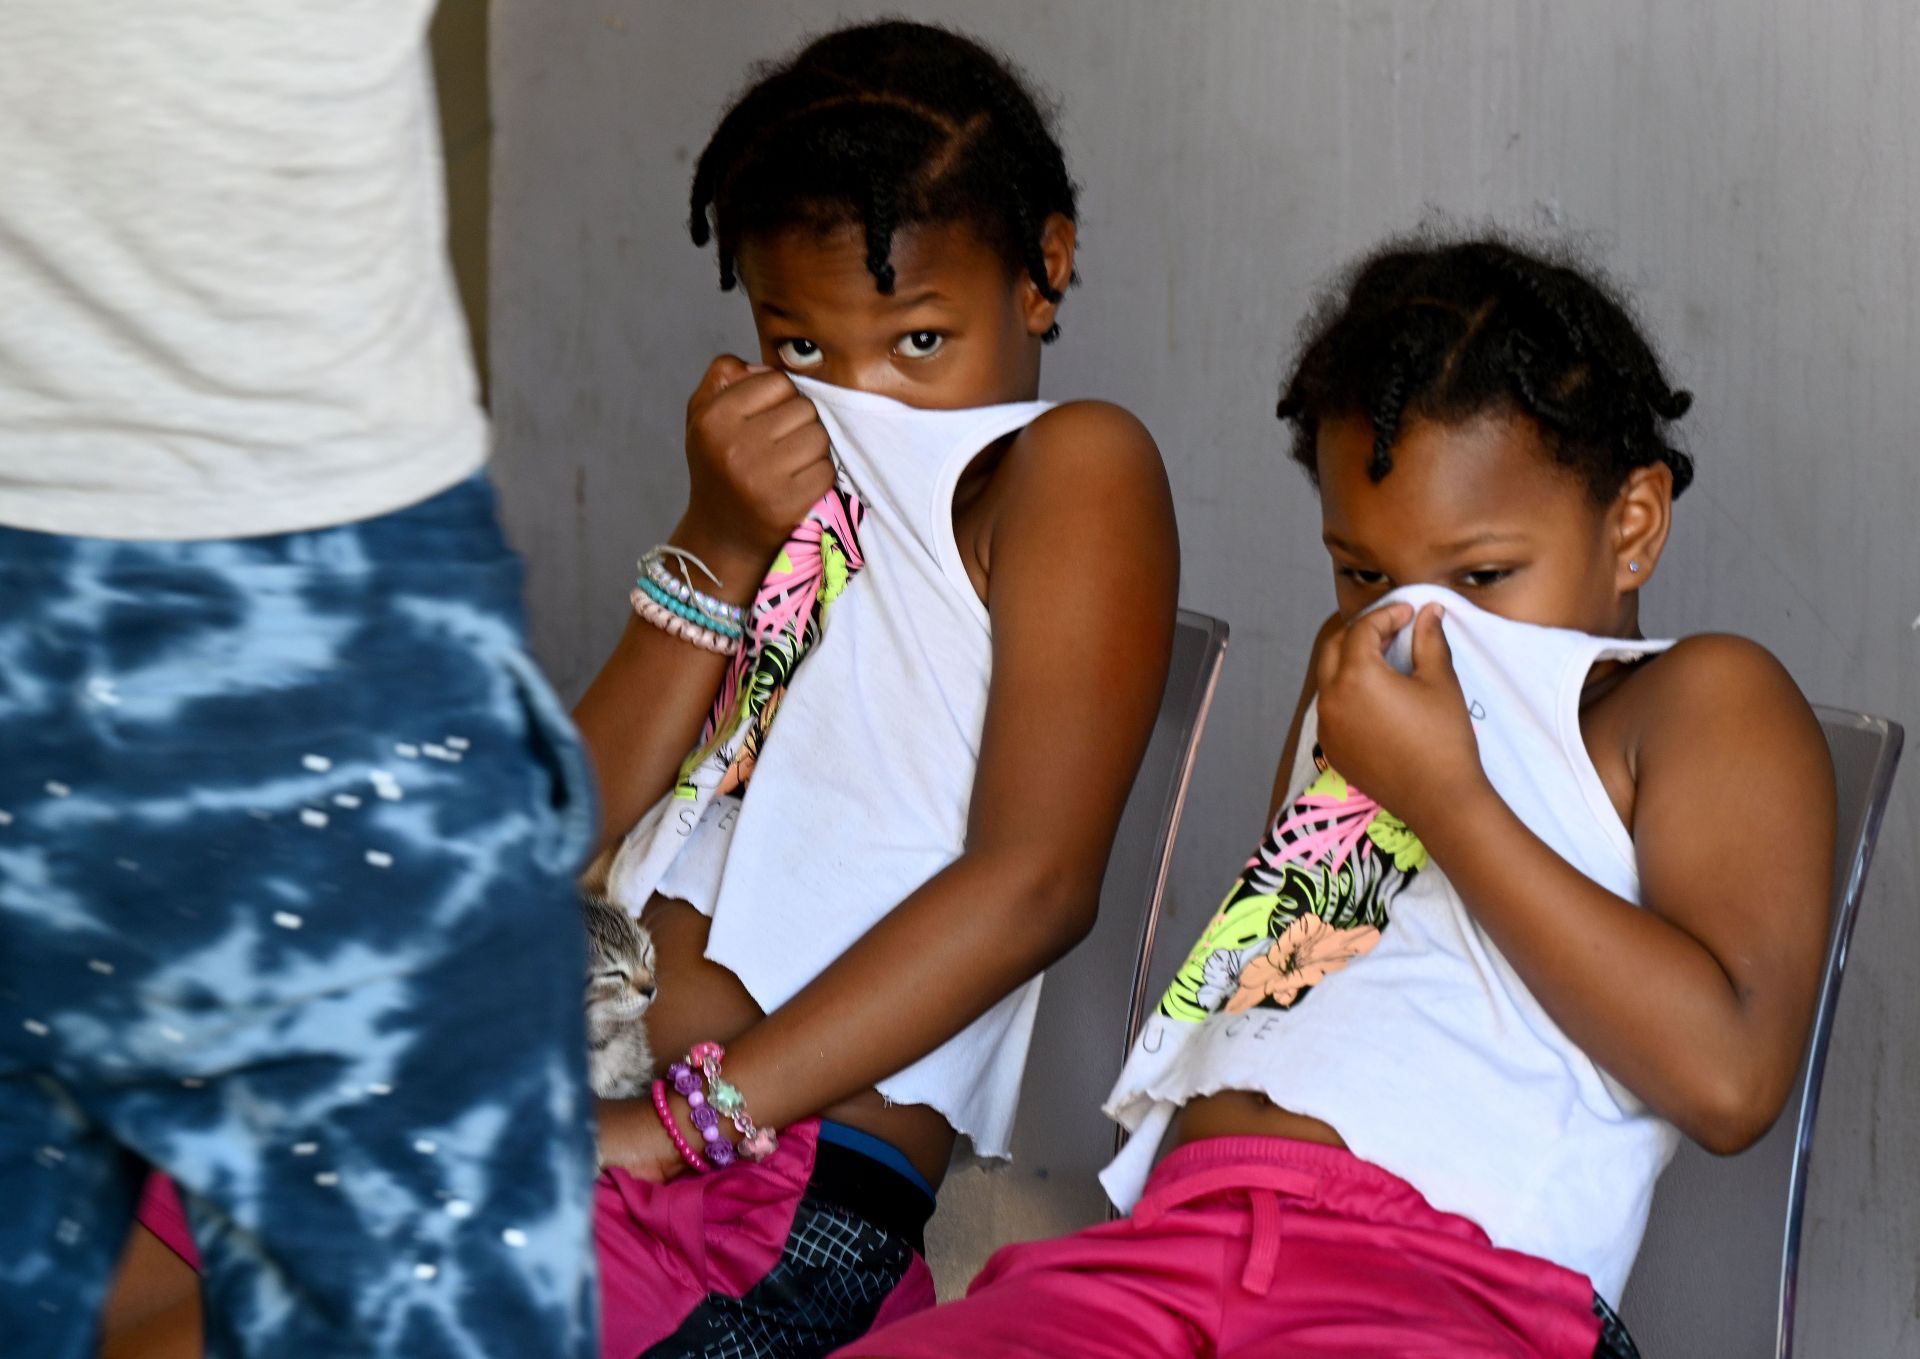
point(799, 353)
point(1363, 577)
point(1480, 580)
point(922, 344)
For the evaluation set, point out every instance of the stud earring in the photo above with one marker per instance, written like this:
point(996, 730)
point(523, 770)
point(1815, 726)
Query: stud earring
point(1633, 566)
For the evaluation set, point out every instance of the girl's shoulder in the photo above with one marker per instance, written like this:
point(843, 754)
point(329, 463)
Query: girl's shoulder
point(1719, 698)
point(1081, 457)
point(1095, 436)
point(1713, 669)
point(1080, 483)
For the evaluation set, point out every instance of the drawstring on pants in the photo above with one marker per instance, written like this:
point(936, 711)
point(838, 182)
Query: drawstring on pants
point(1263, 1251)
point(1263, 1186)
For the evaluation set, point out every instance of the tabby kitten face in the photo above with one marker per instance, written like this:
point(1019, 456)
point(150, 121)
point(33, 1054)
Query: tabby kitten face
point(619, 990)
point(620, 982)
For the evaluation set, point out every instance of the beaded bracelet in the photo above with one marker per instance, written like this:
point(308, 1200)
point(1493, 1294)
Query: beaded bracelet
point(695, 1162)
point(704, 638)
point(686, 1081)
point(654, 565)
point(660, 595)
point(757, 1143)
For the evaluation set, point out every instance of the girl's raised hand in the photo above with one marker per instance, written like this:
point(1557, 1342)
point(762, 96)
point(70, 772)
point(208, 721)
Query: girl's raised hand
point(757, 459)
point(1404, 740)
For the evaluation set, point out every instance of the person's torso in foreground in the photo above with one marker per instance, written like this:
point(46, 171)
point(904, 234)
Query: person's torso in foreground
point(225, 303)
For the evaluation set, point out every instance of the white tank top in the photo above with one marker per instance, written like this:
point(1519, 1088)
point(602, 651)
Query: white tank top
point(1343, 979)
point(226, 306)
point(861, 782)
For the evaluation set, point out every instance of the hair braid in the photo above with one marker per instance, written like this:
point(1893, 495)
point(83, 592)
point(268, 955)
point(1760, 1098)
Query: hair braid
point(885, 126)
point(1389, 406)
point(1047, 173)
point(879, 214)
point(1454, 329)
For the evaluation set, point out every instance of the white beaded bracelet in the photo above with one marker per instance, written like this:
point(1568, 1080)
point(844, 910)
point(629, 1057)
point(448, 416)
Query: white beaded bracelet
point(654, 565)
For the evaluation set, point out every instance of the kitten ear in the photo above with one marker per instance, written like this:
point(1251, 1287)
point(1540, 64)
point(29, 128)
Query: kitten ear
point(594, 879)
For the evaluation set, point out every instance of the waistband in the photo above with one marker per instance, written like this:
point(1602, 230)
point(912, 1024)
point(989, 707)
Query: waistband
point(1307, 1171)
point(873, 1180)
point(1277, 1176)
point(853, 1139)
point(457, 527)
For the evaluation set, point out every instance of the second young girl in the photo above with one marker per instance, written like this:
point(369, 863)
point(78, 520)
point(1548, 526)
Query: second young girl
point(1539, 895)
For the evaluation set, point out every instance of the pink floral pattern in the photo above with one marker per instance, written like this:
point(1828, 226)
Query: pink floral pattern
point(1314, 896)
point(1309, 950)
point(788, 618)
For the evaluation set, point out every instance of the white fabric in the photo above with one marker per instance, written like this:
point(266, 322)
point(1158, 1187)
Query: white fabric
point(1428, 1054)
point(225, 301)
point(860, 792)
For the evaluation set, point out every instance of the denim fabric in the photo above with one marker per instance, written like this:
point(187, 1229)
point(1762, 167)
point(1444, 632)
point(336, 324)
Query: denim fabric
point(287, 832)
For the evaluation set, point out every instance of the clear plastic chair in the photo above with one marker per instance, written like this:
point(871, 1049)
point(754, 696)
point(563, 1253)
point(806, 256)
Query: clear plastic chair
point(1724, 1238)
point(1090, 1003)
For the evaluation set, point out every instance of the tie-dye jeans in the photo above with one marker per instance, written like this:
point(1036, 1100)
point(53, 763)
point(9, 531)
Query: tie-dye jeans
point(287, 829)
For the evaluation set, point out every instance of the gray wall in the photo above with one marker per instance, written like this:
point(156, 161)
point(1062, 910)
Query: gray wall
point(1753, 168)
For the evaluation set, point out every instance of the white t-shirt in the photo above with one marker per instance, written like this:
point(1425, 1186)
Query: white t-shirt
point(859, 791)
point(1344, 979)
point(225, 302)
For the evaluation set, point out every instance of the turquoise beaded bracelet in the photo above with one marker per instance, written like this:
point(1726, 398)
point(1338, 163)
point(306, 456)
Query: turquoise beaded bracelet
point(698, 617)
point(654, 566)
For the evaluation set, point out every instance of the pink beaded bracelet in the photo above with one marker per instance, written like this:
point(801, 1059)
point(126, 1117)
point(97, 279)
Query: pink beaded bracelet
point(756, 1143)
point(695, 1161)
point(672, 623)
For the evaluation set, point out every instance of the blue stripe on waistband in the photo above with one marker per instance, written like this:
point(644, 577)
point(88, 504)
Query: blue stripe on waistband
point(874, 1149)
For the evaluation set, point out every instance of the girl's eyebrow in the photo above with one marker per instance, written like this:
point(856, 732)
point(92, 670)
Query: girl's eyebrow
point(918, 299)
point(1481, 540)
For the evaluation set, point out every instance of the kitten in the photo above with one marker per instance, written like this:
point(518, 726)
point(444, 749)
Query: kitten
point(620, 987)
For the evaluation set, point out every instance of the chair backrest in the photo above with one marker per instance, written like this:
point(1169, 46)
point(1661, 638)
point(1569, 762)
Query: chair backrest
point(1717, 1271)
point(1086, 1006)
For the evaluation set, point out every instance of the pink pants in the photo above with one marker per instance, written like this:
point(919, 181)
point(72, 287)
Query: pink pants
point(666, 1248)
point(1246, 1246)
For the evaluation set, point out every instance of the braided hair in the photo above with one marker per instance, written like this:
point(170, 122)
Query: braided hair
point(1451, 330)
point(883, 126)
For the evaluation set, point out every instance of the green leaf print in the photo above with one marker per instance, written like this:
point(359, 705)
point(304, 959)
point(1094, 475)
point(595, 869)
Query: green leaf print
point(834, 574)
point(1235, 926)
point(1335, 855)
point(1392, 838)
point(1330, 783)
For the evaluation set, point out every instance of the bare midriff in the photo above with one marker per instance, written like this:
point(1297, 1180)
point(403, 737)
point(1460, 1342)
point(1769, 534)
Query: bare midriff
point(1243, 1113)
point(701, 1000)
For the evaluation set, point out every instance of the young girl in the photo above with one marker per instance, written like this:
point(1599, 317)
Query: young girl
point(899, 809)
point(1417, 1079)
